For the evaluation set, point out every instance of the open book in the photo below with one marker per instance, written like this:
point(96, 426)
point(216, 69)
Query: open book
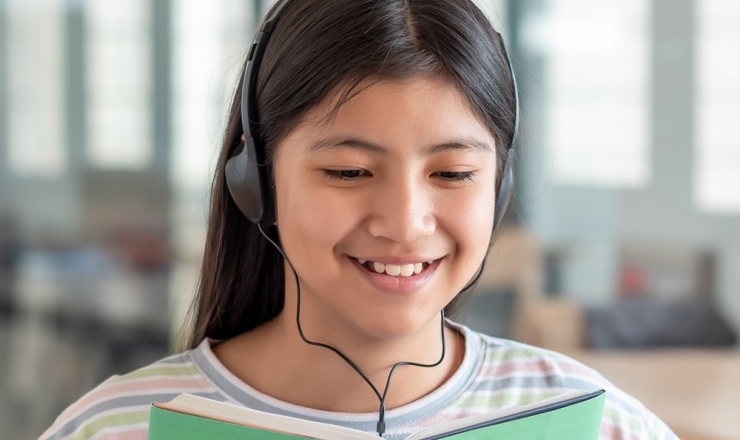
point(573, 415)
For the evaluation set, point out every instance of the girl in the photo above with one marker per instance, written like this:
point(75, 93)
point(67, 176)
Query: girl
point(354, 199)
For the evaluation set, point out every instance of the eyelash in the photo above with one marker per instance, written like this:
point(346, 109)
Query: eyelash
point(451, 176)
point(342, 175)
point(456, 176)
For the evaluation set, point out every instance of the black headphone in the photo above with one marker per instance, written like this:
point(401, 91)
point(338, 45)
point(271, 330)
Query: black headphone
point(246, 173)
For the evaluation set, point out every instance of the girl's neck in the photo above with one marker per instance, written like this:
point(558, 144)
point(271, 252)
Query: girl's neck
point(274, 360)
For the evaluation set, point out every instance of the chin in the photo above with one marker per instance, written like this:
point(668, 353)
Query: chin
point(397, 326)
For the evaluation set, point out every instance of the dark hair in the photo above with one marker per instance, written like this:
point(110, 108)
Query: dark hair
point(319, 47)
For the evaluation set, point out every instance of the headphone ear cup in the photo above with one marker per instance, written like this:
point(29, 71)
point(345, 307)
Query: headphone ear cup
point(507, 187)
point(243, 180)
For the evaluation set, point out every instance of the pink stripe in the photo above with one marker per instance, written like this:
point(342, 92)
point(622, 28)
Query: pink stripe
point(613, 432)
point(541, 367)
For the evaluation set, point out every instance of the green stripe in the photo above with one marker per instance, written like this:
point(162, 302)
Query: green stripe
point(159, 370)
point(505, 355)
point(112, 421)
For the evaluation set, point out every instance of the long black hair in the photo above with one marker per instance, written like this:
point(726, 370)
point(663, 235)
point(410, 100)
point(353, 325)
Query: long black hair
point(319, 47)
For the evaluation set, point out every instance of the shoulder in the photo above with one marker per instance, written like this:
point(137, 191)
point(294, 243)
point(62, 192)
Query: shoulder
point(119, 407)
point(512, 373)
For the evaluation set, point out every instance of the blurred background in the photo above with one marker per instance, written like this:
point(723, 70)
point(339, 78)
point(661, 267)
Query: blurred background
point(623, 249)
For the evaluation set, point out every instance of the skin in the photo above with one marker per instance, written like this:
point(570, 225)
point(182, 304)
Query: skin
point(404, 173)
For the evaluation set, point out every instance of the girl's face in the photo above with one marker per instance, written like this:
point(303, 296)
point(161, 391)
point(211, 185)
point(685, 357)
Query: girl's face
point(386, 210)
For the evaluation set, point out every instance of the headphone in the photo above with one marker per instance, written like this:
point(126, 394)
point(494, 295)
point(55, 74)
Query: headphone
point(249, 183)
point(246, 173)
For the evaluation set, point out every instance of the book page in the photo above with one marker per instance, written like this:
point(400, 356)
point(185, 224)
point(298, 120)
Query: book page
point(226, 412)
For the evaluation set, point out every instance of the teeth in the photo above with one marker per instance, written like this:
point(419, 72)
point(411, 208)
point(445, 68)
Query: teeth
point(430, 261)
point(392, 270)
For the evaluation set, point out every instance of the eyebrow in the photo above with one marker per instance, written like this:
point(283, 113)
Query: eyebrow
point(464, 144)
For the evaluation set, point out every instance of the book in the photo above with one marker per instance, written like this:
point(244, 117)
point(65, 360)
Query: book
point(574, 415)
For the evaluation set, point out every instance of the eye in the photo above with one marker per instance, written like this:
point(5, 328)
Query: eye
point(455, 176)
point(347, 175)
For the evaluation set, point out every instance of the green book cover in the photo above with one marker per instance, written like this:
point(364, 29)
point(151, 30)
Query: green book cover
point(575, 418)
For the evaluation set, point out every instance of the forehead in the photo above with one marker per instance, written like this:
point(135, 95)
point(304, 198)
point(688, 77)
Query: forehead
point(398, 113)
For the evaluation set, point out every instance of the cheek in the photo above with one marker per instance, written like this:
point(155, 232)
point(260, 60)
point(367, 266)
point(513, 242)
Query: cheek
point(312, 220)
point(469, 219)
point(327, 216)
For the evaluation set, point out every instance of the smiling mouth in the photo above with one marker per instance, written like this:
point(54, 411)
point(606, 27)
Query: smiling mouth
point(401, 270)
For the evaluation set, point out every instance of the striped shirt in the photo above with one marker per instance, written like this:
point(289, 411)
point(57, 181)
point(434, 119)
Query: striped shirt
point(494, 373)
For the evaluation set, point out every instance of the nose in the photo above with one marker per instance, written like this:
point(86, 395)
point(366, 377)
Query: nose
point(402, 211)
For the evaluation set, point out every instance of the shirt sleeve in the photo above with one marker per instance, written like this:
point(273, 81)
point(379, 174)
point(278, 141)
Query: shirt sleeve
point(118, 409)
point(540, 370)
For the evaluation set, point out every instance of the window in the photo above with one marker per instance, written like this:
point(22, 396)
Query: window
point(119, 75)
point(597, 78)
point(35, 89)
point(211, 40)
point(717, 164)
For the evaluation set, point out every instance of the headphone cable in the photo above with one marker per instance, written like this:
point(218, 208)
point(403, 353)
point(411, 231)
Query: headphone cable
point(381, 397)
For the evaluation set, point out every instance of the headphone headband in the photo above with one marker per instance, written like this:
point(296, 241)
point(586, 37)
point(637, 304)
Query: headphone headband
point(247, 176)
point(254, 60)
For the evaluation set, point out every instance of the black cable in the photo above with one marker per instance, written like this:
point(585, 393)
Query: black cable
point(381, 410)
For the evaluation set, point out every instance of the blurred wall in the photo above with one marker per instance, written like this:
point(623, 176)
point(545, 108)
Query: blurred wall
point(111, 114)
point(590, 228)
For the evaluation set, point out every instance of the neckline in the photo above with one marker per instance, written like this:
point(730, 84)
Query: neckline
point(237, 391)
